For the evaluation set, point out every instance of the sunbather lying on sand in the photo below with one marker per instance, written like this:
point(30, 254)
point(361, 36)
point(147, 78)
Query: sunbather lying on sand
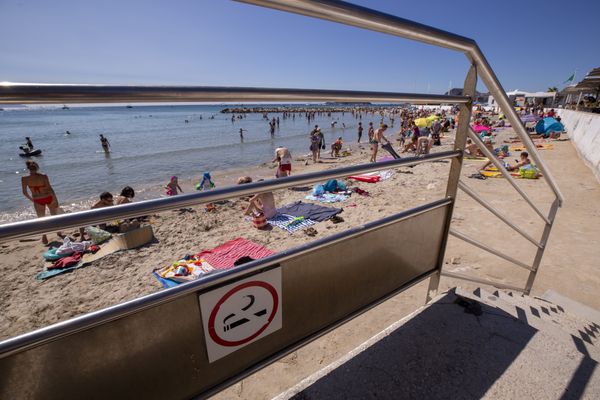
point(471, 149)
point(547, 135)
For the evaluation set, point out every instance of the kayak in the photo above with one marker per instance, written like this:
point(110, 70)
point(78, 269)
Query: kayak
point(31, 153)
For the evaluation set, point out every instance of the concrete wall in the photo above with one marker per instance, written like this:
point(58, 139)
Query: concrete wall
point(584, 130)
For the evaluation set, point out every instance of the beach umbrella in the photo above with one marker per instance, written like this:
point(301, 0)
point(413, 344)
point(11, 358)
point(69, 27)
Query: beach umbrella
point(432, 118)
point(421, 122)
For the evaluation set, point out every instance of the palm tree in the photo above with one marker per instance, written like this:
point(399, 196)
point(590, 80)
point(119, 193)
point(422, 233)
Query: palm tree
point(553, 89)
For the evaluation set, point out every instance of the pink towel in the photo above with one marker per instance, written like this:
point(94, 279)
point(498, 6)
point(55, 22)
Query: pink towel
point(223, 256)
point(480, 128)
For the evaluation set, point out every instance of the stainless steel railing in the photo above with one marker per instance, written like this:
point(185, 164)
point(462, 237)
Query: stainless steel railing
point(21, 229)
point(350, 14)
point(40, 93)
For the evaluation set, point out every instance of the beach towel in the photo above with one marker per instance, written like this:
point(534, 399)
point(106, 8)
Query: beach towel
point(225, 255)
point(311, 211)
point(475, 158)
point(182, 271)
point(480, 128)
point(363, 178)
point(373, 177)
point(49, 273)
point(383, 174)
point(287, 223)
point(516, 175)
point(66, 262)
point(328, 197)
point(540, 146)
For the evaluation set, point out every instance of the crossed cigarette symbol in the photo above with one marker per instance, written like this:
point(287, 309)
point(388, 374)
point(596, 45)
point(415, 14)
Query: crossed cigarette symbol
point(243, 319)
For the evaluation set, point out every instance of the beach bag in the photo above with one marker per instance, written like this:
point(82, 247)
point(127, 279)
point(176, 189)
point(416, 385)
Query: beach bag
point(528, 172)
point(97, 235)
point(259, 220)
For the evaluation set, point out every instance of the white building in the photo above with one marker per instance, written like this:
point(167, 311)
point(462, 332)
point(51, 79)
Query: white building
point(519, 98)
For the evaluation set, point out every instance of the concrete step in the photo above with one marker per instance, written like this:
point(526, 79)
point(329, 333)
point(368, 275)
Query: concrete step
point(573, 307)
point(467, 345)
point(538, 313)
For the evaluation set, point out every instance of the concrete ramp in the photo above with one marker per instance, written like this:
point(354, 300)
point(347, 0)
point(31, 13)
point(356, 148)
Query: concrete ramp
point(469, 345)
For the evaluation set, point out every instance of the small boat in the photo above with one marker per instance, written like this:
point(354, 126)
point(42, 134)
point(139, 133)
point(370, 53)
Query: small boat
point(65, 107)
point(31, 153)
point(129, 106)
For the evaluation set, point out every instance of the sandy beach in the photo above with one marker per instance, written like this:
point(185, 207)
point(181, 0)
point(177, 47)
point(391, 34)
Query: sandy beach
point(29, 304)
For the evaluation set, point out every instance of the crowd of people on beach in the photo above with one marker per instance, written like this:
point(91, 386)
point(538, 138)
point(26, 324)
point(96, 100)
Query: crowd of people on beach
point(420, 129)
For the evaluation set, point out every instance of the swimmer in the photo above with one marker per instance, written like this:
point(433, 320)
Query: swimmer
point(105, 143)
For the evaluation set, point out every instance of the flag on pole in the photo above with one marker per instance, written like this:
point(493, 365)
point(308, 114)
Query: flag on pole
point(570, 79)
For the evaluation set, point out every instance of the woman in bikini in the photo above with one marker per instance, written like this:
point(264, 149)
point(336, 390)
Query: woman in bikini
point(42, 195)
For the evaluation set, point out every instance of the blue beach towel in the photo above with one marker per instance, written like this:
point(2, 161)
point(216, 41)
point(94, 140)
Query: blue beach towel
point(166, 283)
point(49, 273)
point(328, 198)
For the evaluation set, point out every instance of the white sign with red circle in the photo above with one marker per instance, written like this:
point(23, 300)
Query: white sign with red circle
point(240, 313)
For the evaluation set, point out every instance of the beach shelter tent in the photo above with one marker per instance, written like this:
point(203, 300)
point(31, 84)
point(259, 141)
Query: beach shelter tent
point(548, 125)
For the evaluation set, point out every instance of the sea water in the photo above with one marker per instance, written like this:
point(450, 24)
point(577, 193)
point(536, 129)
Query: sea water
point(149, 144)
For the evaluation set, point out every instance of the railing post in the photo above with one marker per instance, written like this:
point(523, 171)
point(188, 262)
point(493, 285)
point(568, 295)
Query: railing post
point(540, 251)
point(464, 124)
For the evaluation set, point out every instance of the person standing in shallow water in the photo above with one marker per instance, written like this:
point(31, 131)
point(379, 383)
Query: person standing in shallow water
point(360, 131)
point(42, 194)
point(105, 144)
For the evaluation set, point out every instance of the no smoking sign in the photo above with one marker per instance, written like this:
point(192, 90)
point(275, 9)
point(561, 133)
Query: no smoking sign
point(238, 314)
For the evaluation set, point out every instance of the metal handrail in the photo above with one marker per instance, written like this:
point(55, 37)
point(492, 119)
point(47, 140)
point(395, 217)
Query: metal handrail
point(487, 248)
point(39, 93)
point(22, 229)
point(350, 14)
point(477, 140)
point(475, 196)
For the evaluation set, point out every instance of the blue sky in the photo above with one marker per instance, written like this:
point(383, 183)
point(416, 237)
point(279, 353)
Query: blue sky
point(531, 44)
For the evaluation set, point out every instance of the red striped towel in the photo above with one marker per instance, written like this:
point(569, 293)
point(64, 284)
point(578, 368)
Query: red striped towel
point(223, 256)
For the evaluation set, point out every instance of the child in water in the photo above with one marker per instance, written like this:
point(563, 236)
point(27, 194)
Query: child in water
point(173, 187)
